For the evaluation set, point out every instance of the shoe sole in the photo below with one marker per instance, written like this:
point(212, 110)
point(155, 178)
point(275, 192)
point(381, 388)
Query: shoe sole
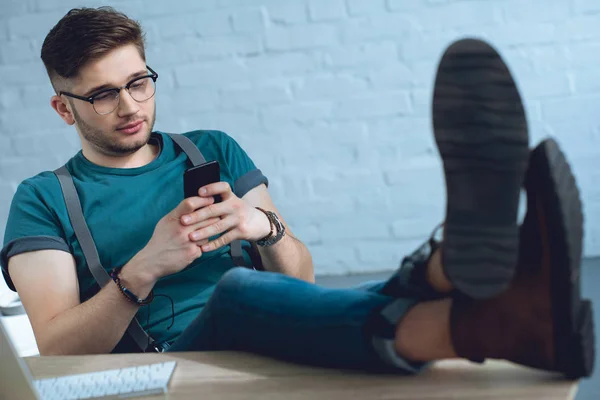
point(560, 211)
point(481, 133)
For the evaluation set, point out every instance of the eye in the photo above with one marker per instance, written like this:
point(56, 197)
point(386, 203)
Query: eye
point(104, 96)
point(138, 84)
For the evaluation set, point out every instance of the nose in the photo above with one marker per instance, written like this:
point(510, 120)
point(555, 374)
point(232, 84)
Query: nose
point(127, 105)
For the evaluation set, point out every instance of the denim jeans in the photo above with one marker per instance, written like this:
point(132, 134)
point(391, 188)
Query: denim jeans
point(289, 319)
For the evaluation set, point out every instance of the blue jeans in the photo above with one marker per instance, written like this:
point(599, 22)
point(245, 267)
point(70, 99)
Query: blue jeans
point(282, 317)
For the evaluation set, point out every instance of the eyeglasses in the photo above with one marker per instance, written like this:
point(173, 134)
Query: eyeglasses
point(106, 101)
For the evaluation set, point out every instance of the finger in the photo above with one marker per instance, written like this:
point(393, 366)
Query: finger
point(217, 188)
point(200, 243)
point(212, 211)
point(191, 204)
point(219, 242)
point(203, 224)
point(222, 225)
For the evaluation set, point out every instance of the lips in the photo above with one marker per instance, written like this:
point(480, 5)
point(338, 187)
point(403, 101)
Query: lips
point(132, 127)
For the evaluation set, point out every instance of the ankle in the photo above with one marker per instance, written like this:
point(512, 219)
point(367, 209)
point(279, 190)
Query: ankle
point(423, 334)
point(435, 273)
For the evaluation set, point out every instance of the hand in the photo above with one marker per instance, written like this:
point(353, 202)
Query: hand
point(237, 219)
point(170, 248)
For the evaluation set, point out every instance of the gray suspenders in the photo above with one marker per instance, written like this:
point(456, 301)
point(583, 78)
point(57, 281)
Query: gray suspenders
point(90, 252)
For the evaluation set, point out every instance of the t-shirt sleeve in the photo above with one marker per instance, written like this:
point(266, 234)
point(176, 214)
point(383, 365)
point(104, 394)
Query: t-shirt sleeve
point(245, 173)
point(31, 226)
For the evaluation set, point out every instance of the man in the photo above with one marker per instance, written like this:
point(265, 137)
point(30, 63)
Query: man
point(456, 298)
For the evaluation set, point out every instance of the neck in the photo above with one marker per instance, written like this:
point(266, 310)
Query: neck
point(141, 157)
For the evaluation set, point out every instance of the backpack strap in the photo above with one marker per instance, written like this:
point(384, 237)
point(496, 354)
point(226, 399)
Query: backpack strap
point(90, 252)
point(196, 157)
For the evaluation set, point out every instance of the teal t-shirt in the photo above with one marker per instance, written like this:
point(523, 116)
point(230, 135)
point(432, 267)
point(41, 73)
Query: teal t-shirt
point(121, 208)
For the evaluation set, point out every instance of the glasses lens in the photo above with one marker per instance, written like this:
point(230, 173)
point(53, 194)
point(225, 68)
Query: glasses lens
point(106, 102)
point(142, 89)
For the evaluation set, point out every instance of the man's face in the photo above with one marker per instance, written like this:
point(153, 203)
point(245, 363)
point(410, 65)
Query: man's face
point(128, 127)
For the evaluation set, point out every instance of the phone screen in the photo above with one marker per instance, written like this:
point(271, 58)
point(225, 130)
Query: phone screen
point(201, 175)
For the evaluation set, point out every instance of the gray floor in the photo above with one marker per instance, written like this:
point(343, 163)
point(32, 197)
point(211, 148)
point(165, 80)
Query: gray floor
point(589, 389)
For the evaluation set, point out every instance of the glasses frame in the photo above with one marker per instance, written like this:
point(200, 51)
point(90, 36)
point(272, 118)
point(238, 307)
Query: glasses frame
point(90, 99)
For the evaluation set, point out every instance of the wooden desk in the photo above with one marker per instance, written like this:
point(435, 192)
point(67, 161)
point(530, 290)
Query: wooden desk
point(226, 375)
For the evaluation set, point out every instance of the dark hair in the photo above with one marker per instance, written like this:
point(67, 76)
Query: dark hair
point(84, 35)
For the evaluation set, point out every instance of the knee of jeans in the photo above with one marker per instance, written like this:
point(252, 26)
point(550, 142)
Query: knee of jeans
point(233, 279)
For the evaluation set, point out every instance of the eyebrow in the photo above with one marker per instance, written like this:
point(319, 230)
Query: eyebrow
point(107, 86)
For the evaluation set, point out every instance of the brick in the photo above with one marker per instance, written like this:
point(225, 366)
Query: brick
point(307, 234)
point(583, 28)
point(395, 140)
point(320, 209)
point(326, 10)
point(17, 51)
point(325, 87)
point(586, 6)
point(234, 123)
point(397, 103)
point(381, 27)
point(18, 121)
point(312, 158)
point(255, 95)
point(333, 259)
point(296, 187)
point(544, 85)
point(421, 100)
point(33, 144)
point(514, 34)
point(17, 7)
point(210, 73)
point(266, 66)
point(402, 5)
point(534, 10)
point(185, 100)
point(180, 7)
point(321, 137)
point(10, 98)
point(219, 47)
point(386, 255)
point(462, 15)
point(6, 146)
point(191, 24)
point(287, 13)
point(248, 21)
point(585, 81)
point(295, 113)
point(300, 37)
point(366, 7)
point(427, 46)
point(352, 179)
point(584, 55)
point(16, 169)
point(32, 26)
point(533, 109)
point(419, 227)
point(392, 75)
point(570, 109)
point(536, 59)
point(362, 54)
point(357, 228)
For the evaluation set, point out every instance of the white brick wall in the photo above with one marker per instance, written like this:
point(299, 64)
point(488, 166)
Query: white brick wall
point(330, 97)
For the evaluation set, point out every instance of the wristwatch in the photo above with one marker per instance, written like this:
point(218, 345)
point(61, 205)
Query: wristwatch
point(276, 225)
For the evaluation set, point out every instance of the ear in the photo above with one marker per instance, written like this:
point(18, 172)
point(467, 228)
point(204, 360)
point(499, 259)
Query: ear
point(63, 108)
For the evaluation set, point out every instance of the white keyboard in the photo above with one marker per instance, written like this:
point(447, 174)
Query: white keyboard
point(113, 383)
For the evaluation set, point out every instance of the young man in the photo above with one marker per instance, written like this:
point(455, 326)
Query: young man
point(484, 291)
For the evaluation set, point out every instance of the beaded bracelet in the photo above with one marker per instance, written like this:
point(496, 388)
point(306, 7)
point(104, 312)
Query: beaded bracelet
point(273, 237)
point(114, 274)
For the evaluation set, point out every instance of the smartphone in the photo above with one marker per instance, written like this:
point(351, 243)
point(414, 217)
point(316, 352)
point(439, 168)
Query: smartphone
point(201, 175)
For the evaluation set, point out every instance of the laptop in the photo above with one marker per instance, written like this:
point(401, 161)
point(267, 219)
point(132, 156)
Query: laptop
point(17, 383)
